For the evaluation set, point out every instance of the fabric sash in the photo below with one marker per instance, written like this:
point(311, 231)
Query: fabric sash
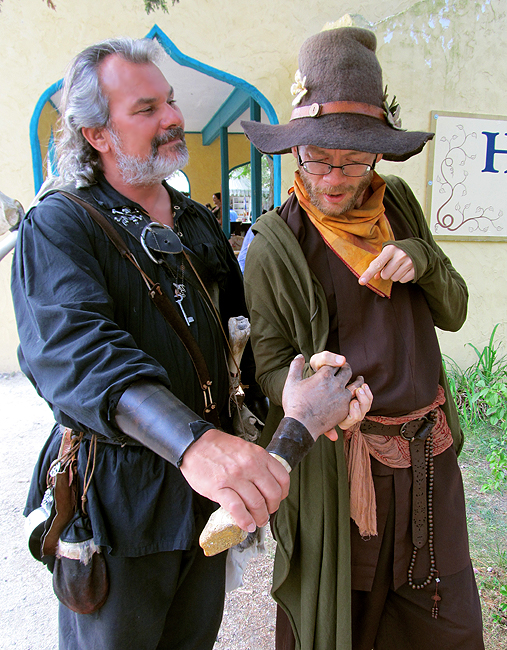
point(392, 451)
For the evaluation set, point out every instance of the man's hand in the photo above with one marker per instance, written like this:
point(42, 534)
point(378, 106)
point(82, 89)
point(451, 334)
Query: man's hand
point(359, 407)
point(392, 264)
point(240, 476)
point(362, 394)
point(322, 401)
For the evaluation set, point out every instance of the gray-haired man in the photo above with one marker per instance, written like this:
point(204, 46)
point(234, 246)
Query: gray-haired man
point(109, 364)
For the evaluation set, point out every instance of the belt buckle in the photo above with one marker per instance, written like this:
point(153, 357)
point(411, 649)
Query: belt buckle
point(403, 428)
point(172, 241)
point(427, 424)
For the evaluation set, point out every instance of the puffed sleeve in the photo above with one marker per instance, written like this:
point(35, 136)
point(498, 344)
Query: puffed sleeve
point(71, 346)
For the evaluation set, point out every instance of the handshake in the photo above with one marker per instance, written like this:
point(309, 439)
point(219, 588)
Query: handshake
point(313, 406)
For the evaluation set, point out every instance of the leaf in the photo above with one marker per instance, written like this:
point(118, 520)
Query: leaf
point(152, 5)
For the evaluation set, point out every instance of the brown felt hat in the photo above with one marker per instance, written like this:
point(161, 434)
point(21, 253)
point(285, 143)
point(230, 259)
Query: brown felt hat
point(340, 102)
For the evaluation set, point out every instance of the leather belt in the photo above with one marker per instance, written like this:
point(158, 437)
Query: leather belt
point(407, 429)
point(415, 432)
point(120, 440)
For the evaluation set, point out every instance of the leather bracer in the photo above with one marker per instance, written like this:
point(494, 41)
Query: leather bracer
point(149, 413)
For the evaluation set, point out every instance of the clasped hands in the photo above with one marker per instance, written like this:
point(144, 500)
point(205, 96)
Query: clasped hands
point(242, 477)
point(356, 396)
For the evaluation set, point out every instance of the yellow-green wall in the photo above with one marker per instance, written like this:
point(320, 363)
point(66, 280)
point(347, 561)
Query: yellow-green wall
point(436, 55)
point(203, 170)
point(47, 125)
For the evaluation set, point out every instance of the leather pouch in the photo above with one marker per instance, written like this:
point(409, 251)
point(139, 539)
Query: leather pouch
point(80, 579)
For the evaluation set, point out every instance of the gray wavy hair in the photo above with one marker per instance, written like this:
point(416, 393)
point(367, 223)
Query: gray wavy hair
point(85, 105)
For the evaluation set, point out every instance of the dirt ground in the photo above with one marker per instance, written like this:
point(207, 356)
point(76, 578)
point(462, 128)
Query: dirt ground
point(28, 607)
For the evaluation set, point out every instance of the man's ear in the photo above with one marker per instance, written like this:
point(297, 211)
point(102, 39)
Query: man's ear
point(378, 158)
point(295, 153)
point(97, 137)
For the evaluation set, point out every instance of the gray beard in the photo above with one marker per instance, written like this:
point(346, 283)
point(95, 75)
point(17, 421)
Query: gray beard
point(152, 170)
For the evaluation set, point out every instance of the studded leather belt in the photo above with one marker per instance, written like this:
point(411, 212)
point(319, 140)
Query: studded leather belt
point(415, 432)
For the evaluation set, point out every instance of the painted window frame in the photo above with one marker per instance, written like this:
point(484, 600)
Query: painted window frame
point(184, 60)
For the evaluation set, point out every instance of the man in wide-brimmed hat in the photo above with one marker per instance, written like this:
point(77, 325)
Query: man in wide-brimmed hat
point(372, 541)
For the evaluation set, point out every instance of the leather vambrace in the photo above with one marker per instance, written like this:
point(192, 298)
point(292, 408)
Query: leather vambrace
point(149, 413)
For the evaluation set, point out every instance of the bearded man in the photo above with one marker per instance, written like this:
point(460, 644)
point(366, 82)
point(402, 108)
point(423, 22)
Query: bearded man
point(153, 457)
point(372, 543)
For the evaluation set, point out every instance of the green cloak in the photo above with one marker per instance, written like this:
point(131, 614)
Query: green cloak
point(289, 316)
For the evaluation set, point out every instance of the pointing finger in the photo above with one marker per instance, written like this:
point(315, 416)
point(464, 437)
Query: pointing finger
point(375, 267)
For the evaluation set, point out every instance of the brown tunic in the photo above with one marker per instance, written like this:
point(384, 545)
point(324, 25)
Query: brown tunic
point(393, 344)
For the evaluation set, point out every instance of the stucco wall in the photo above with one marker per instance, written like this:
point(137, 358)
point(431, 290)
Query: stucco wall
point(203, 170)
point(436, 55)
point(447, 56)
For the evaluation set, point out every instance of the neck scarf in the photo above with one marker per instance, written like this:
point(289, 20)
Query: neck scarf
point(356, 236)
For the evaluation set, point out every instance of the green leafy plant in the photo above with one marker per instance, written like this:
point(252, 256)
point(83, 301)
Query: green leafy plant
point(489, 364)
point(494, 395)
point(152, 5)
point(501, 616)
point(480, 392)
point(463, 388)
point(149, 5)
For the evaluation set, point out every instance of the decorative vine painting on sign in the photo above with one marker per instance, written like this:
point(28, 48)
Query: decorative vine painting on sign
point(467, 178)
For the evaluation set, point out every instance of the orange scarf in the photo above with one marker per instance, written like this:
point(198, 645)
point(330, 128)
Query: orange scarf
point(357, 235)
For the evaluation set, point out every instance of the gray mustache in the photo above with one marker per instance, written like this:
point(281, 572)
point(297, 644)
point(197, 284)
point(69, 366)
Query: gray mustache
point(175, 133)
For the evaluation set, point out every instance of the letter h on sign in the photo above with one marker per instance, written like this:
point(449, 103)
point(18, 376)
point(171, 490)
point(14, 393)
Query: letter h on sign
point(490, 153)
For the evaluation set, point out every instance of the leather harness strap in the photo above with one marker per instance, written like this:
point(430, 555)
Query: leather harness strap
point(163, 304)
point(415, 432)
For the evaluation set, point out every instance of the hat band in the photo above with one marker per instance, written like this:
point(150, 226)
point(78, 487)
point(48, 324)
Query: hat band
point(316, 110)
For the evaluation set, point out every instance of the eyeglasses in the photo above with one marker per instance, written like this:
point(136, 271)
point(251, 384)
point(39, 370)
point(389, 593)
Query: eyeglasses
point(321, 168)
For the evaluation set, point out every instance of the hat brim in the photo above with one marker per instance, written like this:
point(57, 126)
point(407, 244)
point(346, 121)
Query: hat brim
point(337, 131)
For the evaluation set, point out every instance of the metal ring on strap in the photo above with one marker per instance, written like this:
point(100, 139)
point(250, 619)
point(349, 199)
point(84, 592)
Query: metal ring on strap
point(172, 242)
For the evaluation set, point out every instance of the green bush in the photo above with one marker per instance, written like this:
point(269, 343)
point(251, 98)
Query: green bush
point(480, 392)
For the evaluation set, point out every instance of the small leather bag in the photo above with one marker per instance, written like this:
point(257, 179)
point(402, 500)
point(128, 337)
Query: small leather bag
point(80, 578)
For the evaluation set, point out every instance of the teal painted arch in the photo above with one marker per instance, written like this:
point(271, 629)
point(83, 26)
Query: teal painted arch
point(37, 161)
point(184, 60)
point(263, 102)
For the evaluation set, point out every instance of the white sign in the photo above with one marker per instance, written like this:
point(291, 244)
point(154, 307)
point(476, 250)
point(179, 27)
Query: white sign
point(468, 177)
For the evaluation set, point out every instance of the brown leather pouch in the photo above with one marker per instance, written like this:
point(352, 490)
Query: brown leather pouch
point(80, 579)
point(82, 588)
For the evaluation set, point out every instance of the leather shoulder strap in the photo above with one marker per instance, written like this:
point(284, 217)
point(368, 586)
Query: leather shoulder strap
point(101, 220)
point(163, 304)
